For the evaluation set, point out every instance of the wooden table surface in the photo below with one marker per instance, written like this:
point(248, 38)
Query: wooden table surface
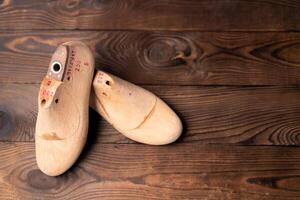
point(235, 87)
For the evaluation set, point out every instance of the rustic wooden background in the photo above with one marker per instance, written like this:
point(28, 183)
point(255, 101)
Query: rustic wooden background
point(229, 68)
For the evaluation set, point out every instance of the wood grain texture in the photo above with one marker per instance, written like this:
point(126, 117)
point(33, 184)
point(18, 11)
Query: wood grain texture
point(180, 171)
point(204, 15)
point(186, 52)
point(236, 115)
point(18, 122)
point(162, 58)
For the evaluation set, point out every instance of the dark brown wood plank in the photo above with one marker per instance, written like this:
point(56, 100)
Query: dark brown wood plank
point(235, 115)
point(209, 58)
point(204, 15)
point(178, 171)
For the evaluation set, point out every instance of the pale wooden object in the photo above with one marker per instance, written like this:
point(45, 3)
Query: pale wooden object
point(62, 121)
point(134, 111)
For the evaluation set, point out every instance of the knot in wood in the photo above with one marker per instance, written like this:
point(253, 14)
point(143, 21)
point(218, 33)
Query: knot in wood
point(36, 179)
point(162, 51)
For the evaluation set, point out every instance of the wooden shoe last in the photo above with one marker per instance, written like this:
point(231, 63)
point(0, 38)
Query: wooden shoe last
point(62, 121)
point(135, 112)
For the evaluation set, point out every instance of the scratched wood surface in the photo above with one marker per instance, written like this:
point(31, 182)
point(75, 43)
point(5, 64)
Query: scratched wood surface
point(230, 69)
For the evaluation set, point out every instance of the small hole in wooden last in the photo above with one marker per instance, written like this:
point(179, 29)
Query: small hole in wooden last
point(107, 83)
point(68, 78)
point(43, 102)
point(56, 100)
point(56, 67)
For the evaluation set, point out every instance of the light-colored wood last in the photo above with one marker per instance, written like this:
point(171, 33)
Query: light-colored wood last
point(62, 121)
point(134, 111)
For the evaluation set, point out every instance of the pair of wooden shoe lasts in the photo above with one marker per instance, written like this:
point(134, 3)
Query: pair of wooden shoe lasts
point(64, 98)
